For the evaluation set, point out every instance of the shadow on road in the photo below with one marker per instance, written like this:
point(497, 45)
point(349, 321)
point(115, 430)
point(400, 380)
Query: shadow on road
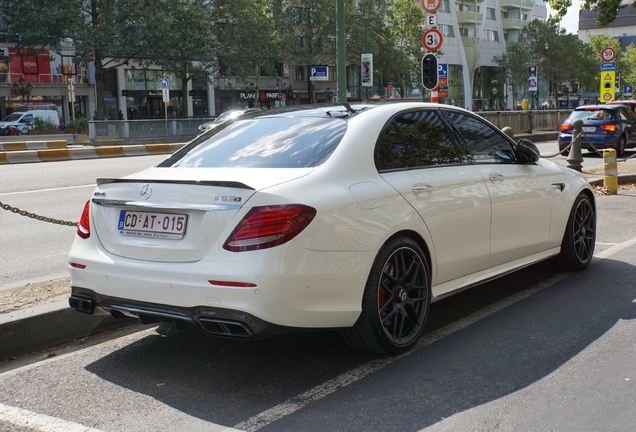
point(227, 382)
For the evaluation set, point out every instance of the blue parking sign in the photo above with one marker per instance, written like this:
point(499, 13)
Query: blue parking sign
point(627, 91)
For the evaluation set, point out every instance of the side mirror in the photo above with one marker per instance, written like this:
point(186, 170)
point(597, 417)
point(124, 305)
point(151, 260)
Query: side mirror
point(528, 151)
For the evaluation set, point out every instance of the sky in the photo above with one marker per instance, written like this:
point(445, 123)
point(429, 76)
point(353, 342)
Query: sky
point(570, 22)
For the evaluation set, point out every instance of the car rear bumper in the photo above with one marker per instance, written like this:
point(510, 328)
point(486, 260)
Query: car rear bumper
point(590, 142)
point(210, 320)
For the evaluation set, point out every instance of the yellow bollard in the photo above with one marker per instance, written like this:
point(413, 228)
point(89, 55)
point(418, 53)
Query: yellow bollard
point(610, 172)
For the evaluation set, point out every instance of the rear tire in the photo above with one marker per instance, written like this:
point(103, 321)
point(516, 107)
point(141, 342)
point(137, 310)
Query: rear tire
point(577, 247)
point(396, 300)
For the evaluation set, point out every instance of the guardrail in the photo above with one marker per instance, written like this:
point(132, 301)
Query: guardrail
point(132, 129)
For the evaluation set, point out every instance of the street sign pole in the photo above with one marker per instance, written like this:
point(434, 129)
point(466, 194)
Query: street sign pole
point(432, 41)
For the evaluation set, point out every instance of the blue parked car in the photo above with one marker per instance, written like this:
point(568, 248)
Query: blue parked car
point(605, 126)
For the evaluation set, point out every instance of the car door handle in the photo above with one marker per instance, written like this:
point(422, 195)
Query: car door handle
point(496, 177)
point(418, 190)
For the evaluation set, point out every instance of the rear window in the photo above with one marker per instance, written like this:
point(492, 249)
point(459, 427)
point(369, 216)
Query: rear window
point(263, 142)
point(592, 114)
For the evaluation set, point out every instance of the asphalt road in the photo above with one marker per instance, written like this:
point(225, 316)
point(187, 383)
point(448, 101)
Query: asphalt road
point(533, 351)
point(56, 190)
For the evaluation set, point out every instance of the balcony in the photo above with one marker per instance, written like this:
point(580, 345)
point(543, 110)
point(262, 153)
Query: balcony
point(468, 17)
point(517, 4)
point(513, 23)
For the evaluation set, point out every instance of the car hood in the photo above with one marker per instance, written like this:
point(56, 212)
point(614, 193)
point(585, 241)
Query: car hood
point(5, 124)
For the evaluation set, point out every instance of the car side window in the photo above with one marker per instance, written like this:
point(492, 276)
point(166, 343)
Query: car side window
point(626, 115)
point(483, 143)
point(27, 119)
point(415, 139)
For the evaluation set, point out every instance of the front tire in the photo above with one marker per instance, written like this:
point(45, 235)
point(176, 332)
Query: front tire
point(396, 300)
point(620, 146)
point(577, 246)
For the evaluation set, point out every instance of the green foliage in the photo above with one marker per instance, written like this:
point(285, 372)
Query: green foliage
point(80, 123)
point(543, 45)
point(39, 124)
point(606, 10)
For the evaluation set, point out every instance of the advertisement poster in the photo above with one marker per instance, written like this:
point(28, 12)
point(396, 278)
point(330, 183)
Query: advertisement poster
point(532, 79)
point(367, 70)
point(44, 68)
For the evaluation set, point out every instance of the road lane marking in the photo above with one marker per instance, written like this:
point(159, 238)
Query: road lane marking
point(300, 401)
point(614, 249)
point(46, 190)
point(13, 415)
point(39, 422)
point(294, 404)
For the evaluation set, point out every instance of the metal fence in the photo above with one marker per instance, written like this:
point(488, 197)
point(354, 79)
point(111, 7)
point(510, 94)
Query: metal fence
point(133, 129)
point(527, 121)
point(519, 121)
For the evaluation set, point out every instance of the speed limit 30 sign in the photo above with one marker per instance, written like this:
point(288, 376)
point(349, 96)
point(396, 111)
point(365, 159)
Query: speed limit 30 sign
point(432, 39)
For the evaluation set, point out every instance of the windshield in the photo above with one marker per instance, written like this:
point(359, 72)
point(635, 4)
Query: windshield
point(228, 115)
point(263, 142)
point(12, 117)
point(592, 114)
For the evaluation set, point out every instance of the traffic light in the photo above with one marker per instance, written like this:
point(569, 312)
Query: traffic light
point(430, 73)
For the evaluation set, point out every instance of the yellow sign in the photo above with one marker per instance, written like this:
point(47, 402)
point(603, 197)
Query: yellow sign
point(607, 86)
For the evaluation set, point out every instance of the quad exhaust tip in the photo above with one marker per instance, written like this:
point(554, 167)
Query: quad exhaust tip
point(82, 304)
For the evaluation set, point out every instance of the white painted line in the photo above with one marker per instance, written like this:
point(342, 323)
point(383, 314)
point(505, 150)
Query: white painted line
point(47, 190)
point(614, 249)
point(39, 422)
point(292, 405)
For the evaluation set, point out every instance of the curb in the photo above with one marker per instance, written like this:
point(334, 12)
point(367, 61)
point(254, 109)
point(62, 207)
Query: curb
point(40, 327)
point(74, 153)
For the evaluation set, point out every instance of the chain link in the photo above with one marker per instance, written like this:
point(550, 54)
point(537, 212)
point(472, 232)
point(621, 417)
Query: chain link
point(35, 216)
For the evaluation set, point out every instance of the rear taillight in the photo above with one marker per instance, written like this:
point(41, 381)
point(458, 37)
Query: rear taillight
point(608, 128)
point(565, 127)
point(84, 226)
point(269, 226)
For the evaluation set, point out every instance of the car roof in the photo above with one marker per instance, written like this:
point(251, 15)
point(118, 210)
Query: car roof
point(622, 102)
point(592, 107)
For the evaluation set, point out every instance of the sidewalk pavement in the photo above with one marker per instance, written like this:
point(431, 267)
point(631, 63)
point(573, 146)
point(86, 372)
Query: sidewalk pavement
point(37, 328)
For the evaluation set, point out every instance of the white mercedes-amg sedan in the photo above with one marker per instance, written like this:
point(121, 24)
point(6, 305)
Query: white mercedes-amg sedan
point(352, 218)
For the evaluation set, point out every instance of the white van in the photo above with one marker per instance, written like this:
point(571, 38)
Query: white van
point(22, 120)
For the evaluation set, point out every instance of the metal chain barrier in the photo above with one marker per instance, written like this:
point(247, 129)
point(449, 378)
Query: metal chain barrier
point(597, 151)
point(35, 216)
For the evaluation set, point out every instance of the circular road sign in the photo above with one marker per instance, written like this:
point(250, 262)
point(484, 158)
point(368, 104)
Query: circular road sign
point(607, 97)
point(430, 6)
point(608, 54)
point(432, 39)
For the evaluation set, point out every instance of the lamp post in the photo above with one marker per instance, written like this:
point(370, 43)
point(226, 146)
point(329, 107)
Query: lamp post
point(22, 88)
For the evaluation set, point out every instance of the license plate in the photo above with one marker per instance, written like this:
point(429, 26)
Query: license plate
point(589, 129)
point(154, 225)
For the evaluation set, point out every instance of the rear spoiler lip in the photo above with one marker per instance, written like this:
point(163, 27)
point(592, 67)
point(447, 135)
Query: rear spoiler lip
point(216, 183)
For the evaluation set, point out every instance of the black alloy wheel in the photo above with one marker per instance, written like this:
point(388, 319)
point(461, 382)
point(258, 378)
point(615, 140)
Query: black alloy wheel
point(396, 300)
point(579, 240)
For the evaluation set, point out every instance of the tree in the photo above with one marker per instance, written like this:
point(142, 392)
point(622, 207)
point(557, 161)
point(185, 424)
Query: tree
point(543, 45)
point(197, 37)
point(401, 44)
point(606, 10)
point(115, 32)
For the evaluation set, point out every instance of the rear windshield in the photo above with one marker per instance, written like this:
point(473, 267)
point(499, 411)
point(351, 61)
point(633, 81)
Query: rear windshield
point(263, 142)
point(592, 114)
